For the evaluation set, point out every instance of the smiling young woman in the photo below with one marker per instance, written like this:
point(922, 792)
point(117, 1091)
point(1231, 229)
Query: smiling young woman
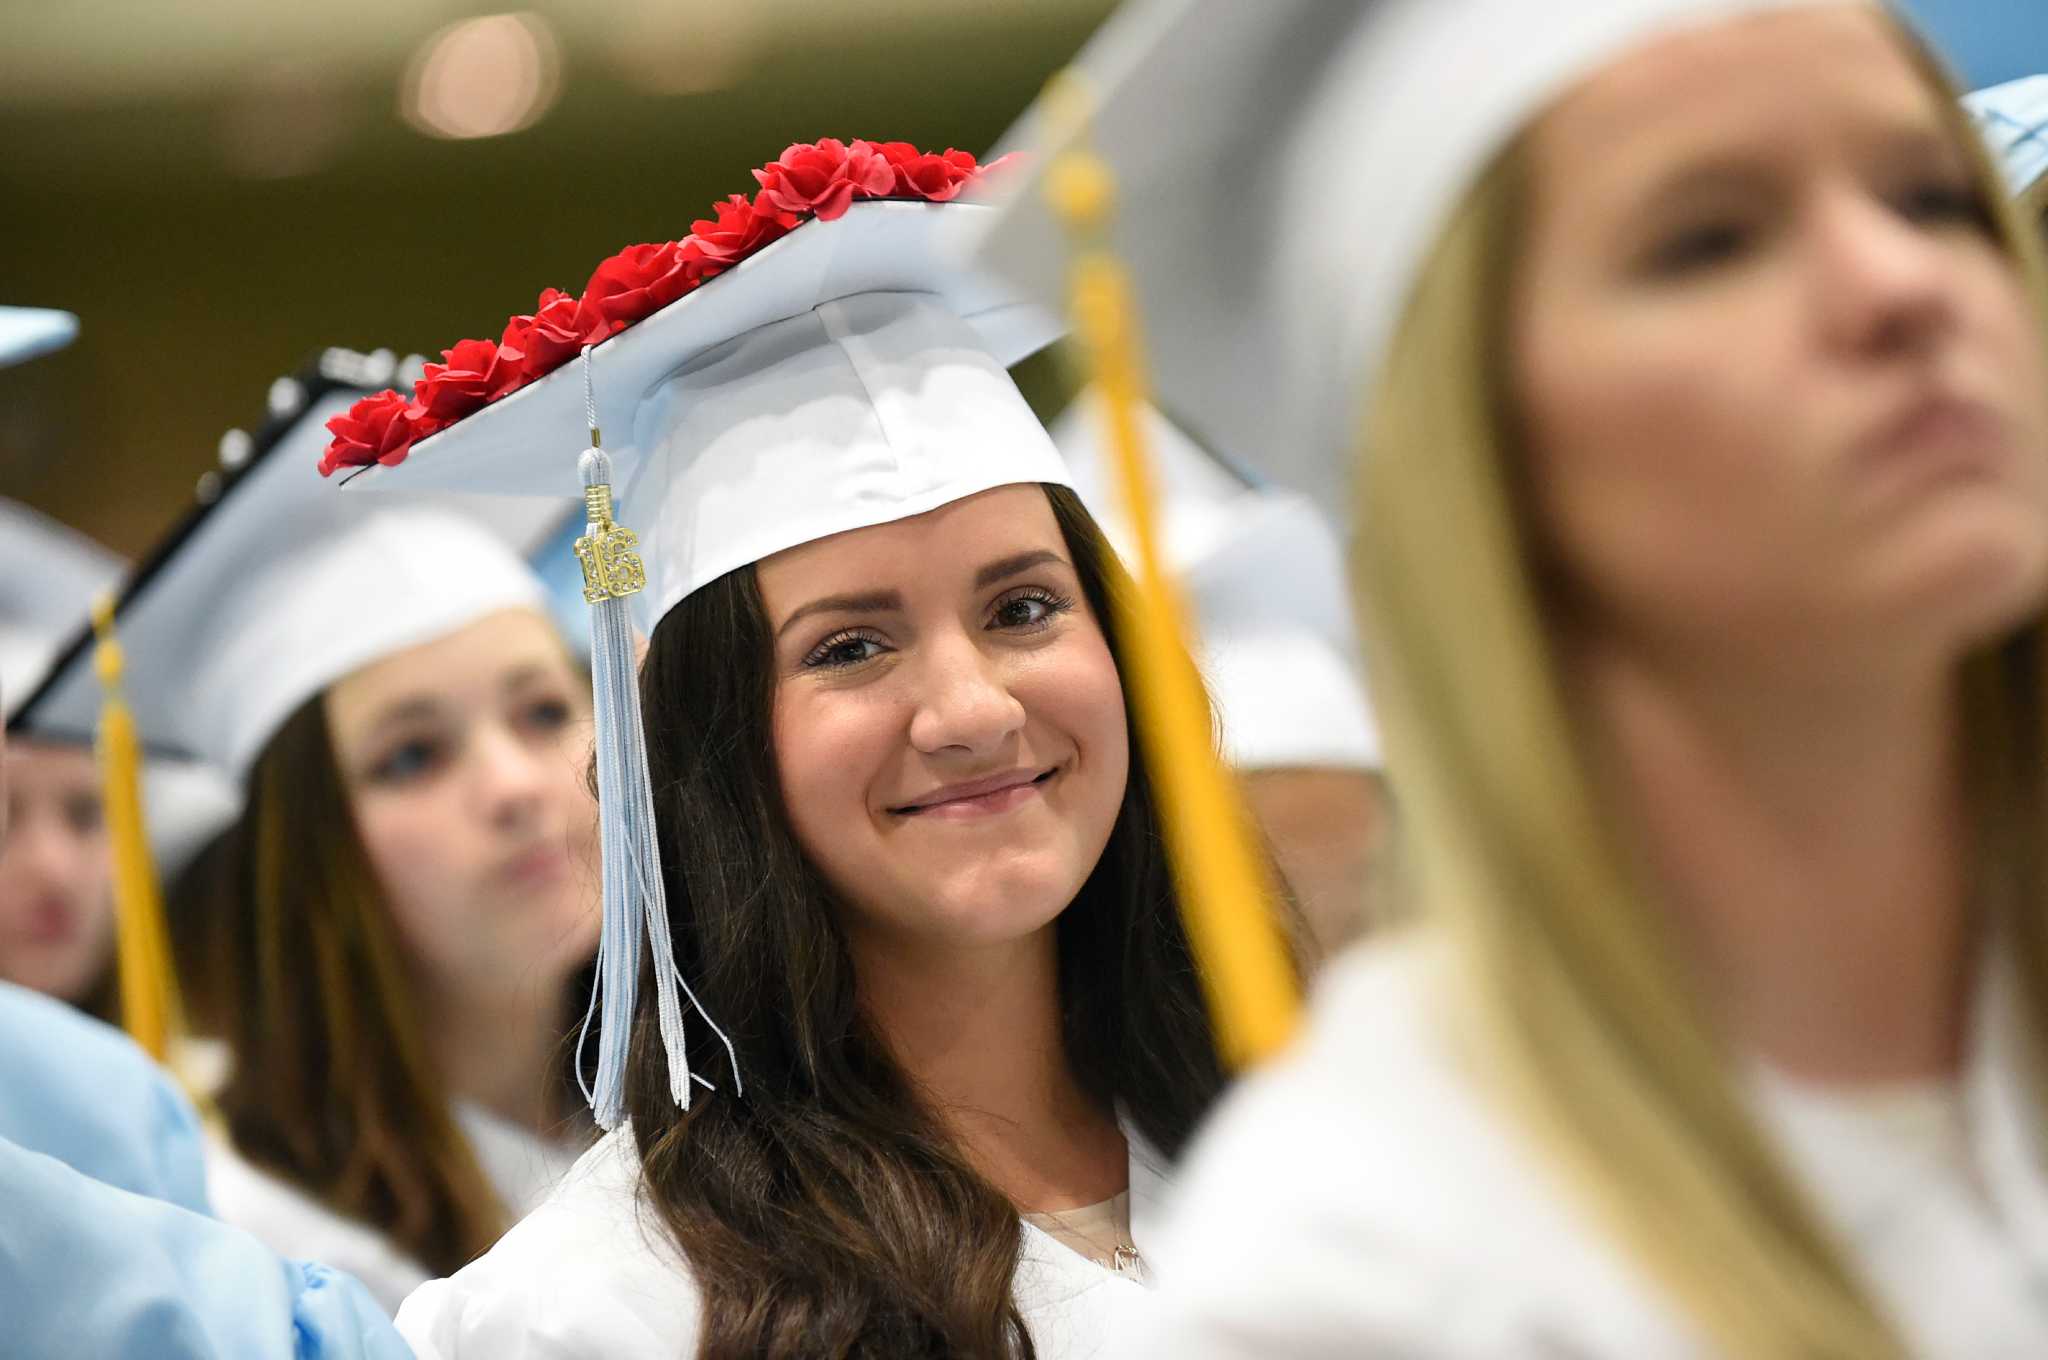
point(911, 869)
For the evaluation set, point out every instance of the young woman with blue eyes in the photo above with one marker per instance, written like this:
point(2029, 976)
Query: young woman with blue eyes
point(409, 903)
point(393, 940)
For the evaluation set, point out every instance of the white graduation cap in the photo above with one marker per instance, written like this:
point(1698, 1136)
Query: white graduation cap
point(1264, 576)
point(2014, 120)
point(1282, 170)
point(49, 577)
point(272, 588)
point(26, 332)
point(266, 593)
point(845, 375)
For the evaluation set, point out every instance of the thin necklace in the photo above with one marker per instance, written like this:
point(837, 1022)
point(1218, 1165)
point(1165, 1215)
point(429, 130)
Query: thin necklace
point(1122, 1256)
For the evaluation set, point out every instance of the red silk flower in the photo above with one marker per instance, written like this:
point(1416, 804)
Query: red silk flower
point(471, 374)
point(640, 280)
point(819, 179)
point(374, 430)
point(937, 178)
point(555, 332)
point(734, 232)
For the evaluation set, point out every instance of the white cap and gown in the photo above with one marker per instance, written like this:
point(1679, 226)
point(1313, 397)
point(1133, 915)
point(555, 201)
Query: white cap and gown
point(1364, 1195)
point(269, 592)
point(842, 377)
point(49, 577)
point(70, 1086)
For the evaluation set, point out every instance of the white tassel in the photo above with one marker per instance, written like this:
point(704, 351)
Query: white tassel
point(635, 901)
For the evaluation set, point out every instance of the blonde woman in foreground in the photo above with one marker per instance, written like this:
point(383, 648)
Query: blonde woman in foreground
point(1689, 370)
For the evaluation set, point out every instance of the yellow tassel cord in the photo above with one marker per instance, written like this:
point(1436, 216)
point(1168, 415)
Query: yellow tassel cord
point(150, 1011)
point(1225, 889)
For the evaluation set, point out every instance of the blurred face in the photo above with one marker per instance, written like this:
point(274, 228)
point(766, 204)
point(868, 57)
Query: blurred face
point(1782, 392)
point(949, 726)
point(464, 760)
point(56, 876)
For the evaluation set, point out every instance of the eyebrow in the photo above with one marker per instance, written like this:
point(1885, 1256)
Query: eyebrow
point(889, 601)
point(874, 602)
point(1898, 140)
point(525, 675)
point(419, 708)
point(1707, 178)
point(1010, 566)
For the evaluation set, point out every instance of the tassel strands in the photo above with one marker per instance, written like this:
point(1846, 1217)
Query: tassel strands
point(1225, 889)
point(150, 1007)
point(635, 901)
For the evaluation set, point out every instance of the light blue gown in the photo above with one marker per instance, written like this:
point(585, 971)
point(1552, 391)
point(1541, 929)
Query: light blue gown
point(105, 1246)
point(83, 1093)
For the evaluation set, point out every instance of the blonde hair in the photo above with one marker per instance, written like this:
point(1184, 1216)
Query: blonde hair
point(1579, 1004)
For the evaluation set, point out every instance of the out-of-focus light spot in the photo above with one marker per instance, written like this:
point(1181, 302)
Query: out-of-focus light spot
point(236, 447)
point(483, 77)
point(290, 118)
point(668, 48)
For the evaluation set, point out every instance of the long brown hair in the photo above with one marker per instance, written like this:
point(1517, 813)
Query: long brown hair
point(828, 1212)
point(333, 1087)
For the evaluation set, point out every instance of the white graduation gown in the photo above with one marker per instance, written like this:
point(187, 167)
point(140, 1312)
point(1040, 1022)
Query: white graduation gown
point(1365, 1197)
point(520, 1165)
point(592, 1274)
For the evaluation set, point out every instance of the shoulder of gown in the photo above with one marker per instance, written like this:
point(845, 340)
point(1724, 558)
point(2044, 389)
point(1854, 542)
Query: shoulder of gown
point(293, 1223)
point(82, 1092)
point(1362, 1196)
point(89, 1269)
point(590, 1272)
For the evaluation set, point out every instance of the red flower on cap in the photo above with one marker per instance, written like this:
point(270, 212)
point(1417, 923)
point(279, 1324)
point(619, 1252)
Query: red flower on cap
point(555, 332)
point(734, 232)
point(933, 177)
point(640, 280)
point(819, 179)
point(471, 374)
point(377, 429)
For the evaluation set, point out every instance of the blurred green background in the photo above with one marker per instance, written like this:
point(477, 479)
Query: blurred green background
point(220, 188)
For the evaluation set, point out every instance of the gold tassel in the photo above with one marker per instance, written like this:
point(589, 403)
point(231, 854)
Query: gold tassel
point(1226, 892)
point(150, 1010)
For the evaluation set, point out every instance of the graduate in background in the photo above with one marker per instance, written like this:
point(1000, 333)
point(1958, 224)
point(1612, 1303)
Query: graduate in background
point(913, 943)
point(108, 1245)
point(57, 929)
point(1264, 575)
point(109, 1251)
point(56, 870)
point(1681, 365)
point(408, 901)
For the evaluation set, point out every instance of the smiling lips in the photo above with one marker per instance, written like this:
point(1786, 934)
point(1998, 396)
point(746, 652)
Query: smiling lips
point(979, 797)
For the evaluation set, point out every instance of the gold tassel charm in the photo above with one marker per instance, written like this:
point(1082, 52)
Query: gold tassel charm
point(150, 1009)
point(1226, 892)
point(611, 569)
